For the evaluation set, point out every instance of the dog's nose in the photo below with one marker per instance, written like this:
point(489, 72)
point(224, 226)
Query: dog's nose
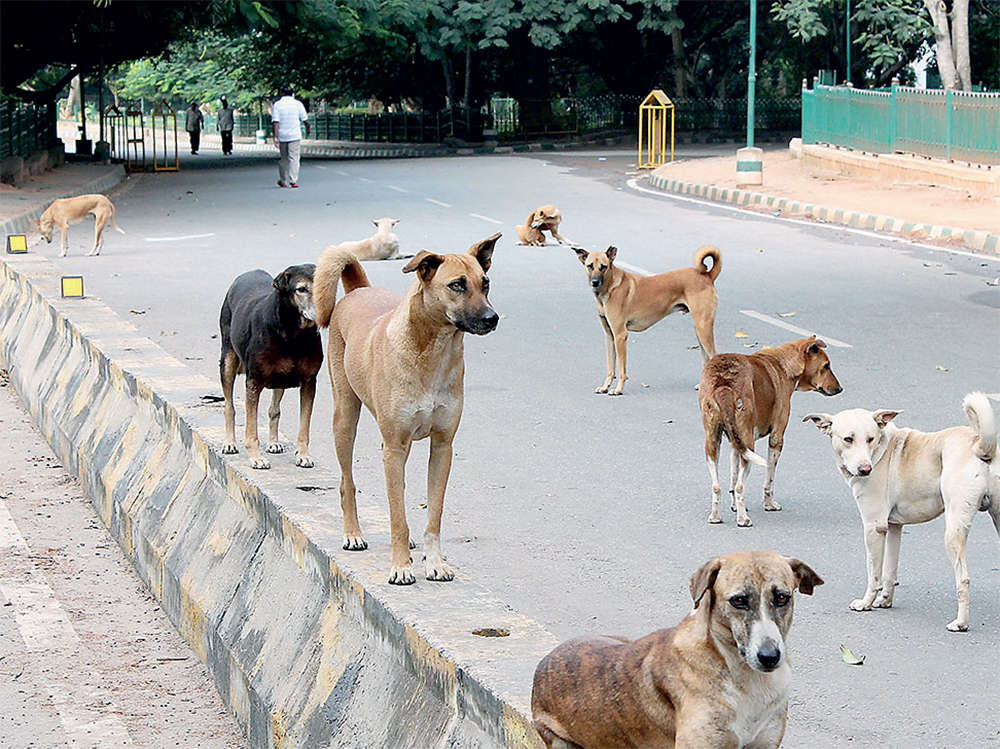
point(595, 282)
point(864, 469)
point(769, 655)
point(490, 319)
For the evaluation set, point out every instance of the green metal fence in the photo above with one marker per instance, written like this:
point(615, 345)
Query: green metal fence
point(25, 128)
point(386, 127)
point(958, 125)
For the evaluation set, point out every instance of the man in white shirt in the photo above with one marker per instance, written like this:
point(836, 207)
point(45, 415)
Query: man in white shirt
point(287, 114)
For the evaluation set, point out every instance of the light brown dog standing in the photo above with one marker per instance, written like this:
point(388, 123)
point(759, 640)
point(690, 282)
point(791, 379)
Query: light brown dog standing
point(632, 302)
point(66, 211)
point(544, 218)
point(403, 359)
point(748, 397)
point(718, 680)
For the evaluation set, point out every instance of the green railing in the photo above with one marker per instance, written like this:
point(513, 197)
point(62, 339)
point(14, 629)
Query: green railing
point(26, 128)
point(957, 125)
point(386, 127)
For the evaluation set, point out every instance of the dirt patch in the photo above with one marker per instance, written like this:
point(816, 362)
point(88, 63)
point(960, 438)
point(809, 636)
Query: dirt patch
point(785, 177)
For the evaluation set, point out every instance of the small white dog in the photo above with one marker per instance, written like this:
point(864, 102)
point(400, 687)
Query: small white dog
point(902, 476)
point(382, 245)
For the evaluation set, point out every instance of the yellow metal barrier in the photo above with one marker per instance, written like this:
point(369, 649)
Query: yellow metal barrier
point(164, 113)
point(653, 129)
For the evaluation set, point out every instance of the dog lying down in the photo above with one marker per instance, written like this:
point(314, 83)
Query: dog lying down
point(382, 245)
point(544, 218)
point(718, 680)
point(902, 476)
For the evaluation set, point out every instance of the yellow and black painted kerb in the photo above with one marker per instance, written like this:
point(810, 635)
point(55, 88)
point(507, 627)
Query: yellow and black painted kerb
point(17, 244)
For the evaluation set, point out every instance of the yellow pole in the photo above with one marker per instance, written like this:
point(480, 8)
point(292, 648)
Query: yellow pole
point(639, 157)
point(672, 111)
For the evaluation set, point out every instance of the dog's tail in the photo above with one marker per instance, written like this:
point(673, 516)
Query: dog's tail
point(980, 415)
point(725, 401)
point(114, 225)
point(335, 265)
point(699, 261)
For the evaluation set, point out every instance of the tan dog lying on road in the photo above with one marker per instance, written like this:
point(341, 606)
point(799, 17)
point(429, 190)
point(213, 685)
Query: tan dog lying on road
point(382, 245)
point(403, 359)
point(544, 218)
point(66, 211)
point(632, 302)
point(718, 680)
point(902, 476)
point(749, 397)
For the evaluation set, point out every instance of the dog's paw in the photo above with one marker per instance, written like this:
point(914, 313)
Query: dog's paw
point(355, 543)
point(860, 604)
point(714, 518)
point(260, 463)
point(771, 506)
point(229, 448)
point(304, 461)
point(616, 391)
point(274, 448)
point(440, 572)
point(744, 522)
point(402, 576)
point(882, 602)
point(603, 388)
point(957, 626)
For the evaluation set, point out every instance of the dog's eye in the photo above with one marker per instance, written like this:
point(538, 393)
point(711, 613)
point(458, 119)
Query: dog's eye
point(781, 599)
point(849, 440)
point(739, 602)
point(458, 286)
point(826, 366)
point(590, 265)
point(302, 289)
point(604, 267)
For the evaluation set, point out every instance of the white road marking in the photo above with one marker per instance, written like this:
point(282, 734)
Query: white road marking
point(84, 727)
point(179, 239)
point(795, 329)
point(634, 269)
point(341, 172)
point(397, 189)
point(41, 620)
point(319, 166)
point(438, 202)
point(10, 536)
point(365, 179)
point(633, 183)
point(485, 218)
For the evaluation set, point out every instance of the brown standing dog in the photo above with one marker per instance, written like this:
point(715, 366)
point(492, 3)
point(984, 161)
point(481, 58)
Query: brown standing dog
point(544, 218)
point(718, 680)
point(66, 211)
point(749, 397)
point(631, 302)
point(402, 359)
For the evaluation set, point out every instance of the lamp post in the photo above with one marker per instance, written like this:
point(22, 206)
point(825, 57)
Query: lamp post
point(749, 160)
point(847, 25)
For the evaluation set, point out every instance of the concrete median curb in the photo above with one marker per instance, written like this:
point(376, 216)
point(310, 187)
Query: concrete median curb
point(307, 643)
point(980, 241)
point(24, 222)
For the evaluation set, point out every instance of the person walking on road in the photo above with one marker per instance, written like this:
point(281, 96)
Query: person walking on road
point(194, 121)
point(287, 116)
point(224, 124)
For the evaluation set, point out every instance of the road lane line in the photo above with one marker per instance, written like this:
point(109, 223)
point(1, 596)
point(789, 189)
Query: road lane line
point(887, 237)
point(84, 726)
point(41, 620)
point(319, 166)
point(795, 329)
point(341, 172)
point(634, 269)
point(397, 189)
point(438, 202)
point(365, 179)
point(485, 218)
point(179, 239)
point(10, 536)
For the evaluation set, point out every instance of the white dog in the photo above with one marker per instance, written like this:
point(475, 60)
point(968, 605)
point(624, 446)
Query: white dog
point(902, 476)
point(382, 245)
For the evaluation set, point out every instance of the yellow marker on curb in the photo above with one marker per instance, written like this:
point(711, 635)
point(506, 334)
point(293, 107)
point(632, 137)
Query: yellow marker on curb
point(72, 287)
point(17, 244)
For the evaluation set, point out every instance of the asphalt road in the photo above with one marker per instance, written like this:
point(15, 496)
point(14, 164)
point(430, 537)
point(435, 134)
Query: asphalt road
point(586, 512)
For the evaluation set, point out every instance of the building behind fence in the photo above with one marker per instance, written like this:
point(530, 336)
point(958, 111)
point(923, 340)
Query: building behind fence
point(26, 128)
point(948, 124)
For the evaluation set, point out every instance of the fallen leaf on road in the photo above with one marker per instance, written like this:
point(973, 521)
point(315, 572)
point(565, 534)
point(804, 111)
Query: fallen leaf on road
point(741, 334)
point(750, 345)
point(502, 316)
point(644, 384)
point(939, 368)
point(212, 398)
point(786, 314)
point(760, 251)
point(950, 273)
point(764, 347)
point(138, 311)
point(850, 658)
point(994, 282)
point(932, 265)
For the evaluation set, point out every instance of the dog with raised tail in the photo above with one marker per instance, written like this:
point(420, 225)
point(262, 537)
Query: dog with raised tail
point(403, 359)
point(747, 397)
point(901, 476)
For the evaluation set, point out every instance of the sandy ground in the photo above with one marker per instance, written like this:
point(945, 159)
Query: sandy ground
point(785, 177)
point(87, 657)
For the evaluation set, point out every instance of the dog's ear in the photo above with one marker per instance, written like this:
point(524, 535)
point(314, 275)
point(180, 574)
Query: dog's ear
point(814, 345)
point(374, 222)
point(884, 415)
point(611, 252)
point(805, 578)
point(483, 251)
point(581, 253)
point(704, 579)
point(823, 422)
point(425, 263)
point(282, 281)
point(395, 221)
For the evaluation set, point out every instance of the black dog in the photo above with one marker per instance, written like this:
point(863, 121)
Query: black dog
point(269, 333)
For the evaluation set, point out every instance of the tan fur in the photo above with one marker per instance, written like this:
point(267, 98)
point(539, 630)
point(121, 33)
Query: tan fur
point(404, 360)
point(66, 211)
point(704, 684)
point(748, 397)
point(544, 218)
point(382, 245)
point(902, 476)
point(631, 302)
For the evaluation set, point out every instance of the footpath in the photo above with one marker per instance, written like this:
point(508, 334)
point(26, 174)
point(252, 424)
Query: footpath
point(924, 208)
